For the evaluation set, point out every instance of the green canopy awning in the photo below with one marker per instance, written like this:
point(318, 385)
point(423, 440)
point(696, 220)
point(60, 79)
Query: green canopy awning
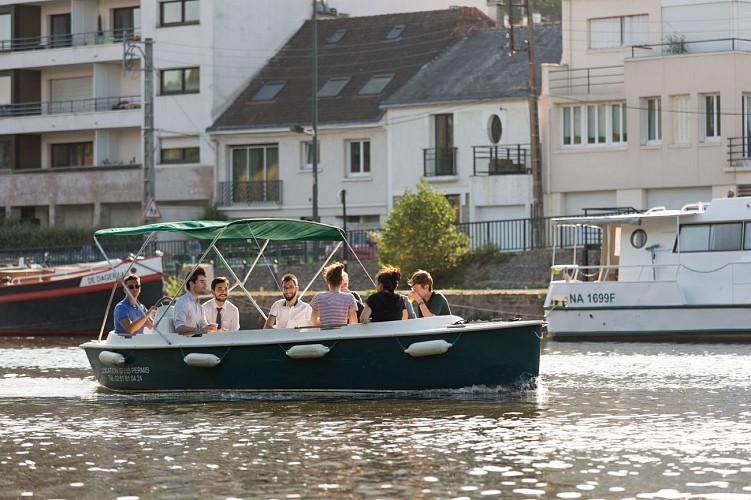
point(238, 230)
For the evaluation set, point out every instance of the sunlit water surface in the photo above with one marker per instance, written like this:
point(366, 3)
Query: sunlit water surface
point(608, 420)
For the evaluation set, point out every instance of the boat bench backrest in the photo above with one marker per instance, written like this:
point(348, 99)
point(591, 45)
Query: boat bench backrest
point(166, 324)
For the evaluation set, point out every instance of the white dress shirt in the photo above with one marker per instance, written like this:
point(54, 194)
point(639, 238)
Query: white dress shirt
point(230, 314)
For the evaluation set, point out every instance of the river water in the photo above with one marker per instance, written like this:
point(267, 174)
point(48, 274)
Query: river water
point(608, 420)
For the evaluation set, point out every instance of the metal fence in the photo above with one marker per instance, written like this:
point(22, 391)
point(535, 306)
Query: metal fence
point(502, 235)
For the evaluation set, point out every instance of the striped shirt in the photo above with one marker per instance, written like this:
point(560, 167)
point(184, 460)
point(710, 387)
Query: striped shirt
point(333, 307)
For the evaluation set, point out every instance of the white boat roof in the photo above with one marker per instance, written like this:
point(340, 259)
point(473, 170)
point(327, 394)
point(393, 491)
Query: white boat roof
point(719, 209)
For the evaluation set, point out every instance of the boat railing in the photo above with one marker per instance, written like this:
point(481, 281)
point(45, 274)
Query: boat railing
point(614, 272)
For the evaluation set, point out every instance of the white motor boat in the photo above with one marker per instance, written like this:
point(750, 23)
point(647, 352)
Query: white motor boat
point(663, 274)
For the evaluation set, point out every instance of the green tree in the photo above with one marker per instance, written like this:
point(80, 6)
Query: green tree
point(420, 233)
point(550, 10)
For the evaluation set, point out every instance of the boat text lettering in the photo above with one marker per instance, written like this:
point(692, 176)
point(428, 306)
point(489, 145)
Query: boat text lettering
point(592, 298)
point(125, 373)
point(99, 278)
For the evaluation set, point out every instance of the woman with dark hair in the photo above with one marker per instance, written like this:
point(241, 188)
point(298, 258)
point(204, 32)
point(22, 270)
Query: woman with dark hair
point(385, 304)
point(333, 308)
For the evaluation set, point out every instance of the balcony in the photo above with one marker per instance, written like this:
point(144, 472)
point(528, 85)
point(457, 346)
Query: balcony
point(677, 45)
point(502, 160)
point(739, 152)
point(600, 80)
point(250, 193)
point(64, 40)
point(77, 106)
point(439, 161)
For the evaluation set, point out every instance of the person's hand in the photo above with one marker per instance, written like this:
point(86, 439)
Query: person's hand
point(414, 296)
point(211, 327)
point(151, 313)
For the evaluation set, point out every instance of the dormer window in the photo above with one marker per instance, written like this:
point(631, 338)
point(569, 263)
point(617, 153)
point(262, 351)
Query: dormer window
point(269, 91)
point(336, 37)
point(334, 86)
point(396, 32)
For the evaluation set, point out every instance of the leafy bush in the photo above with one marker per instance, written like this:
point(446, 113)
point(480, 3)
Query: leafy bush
point(16, 235)
point(420, 233)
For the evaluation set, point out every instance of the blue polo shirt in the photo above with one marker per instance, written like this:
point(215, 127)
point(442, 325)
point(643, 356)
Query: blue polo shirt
point(124, 309)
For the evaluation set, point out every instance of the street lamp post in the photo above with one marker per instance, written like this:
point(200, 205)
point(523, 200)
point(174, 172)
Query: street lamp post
point(343, 196)
point(314, 111)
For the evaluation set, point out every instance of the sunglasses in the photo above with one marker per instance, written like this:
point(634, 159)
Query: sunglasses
point(131, 287)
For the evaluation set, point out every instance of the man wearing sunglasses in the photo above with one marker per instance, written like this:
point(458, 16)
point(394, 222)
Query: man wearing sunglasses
point(130, 315)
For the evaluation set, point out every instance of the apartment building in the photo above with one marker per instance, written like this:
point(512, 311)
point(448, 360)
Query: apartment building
point(649, 105)
point(72, 103)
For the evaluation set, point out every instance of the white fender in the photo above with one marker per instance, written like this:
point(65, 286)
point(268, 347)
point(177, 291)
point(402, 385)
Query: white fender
point(427, 348)
point(201, 360)
point(110, 358)
point(307, 351)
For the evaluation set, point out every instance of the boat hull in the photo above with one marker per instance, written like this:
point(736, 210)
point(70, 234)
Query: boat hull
point(71, 305)
point(642, 310)
point(360, 358)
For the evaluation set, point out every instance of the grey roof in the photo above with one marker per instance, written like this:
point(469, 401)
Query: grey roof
point(478, 67)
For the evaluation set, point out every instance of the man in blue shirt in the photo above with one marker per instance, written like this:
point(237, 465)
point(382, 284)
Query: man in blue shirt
point(130, 315)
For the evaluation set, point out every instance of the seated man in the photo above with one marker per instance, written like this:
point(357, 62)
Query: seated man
point(225, 314)
point(130, 315)
point(189, 317)
point(290, 311)
point(428, 302)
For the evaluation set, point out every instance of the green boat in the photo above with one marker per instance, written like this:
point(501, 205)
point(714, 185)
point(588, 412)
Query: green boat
point(437, 353)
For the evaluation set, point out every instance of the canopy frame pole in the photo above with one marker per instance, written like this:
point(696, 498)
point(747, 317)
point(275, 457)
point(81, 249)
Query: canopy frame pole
point(239, 283)
point(255, 262)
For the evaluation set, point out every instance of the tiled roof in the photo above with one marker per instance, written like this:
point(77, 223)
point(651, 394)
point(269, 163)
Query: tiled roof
point(362, 52)
point(479, 67)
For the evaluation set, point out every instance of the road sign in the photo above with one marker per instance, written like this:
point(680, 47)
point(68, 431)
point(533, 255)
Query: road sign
point(152, 210)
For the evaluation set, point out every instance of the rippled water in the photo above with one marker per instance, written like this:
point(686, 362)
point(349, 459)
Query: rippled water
point(609, 420)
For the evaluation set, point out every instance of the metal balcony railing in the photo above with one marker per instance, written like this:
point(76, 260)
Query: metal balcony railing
point(739, 151)
point(439, 161)
point(502, 160)
point(63, 40)
point(676, 44)
point(250, 193)
point(75, 106)
point(600, 80)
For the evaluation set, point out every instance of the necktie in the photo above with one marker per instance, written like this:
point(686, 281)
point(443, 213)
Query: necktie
point(218, 317)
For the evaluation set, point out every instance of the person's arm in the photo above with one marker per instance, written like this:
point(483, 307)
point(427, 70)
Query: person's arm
point(405, 314)
point(314, 320)
point(234, 319)
point(133, 326)
point(352, 317)
point(365, 315)
point(423, 307)
point(270, 322)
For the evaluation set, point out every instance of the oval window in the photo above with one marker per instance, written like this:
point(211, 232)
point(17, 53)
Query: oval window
point(495, 129)
point(638, 238)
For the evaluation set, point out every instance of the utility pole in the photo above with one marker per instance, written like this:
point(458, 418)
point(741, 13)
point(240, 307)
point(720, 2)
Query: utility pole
point(534, 119)
point(130, 50)
point(149, 174)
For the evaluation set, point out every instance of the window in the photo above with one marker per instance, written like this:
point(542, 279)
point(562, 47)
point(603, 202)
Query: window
point(710, 237)
point(78, 154)
point(336, 37)
point(179, 150)
point(711, 117)
point(5, 96)
point(255, 173)
point(681, 119)
point(5, 31)
point(495, 129)
point(396, 32)
point(6, 153)
point(60, 35)
point(333, 87)
point(180, 81)
point(307, 156)
point(269, 91)
point(179, 12)
point(618, 31)
point(126, 23)
point(376, 84)
point(651, 120)
point(359, 157)
point(604, 123)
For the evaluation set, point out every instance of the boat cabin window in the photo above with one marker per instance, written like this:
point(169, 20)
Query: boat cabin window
point(638, 238)
point(747, 236)
point(710, 237)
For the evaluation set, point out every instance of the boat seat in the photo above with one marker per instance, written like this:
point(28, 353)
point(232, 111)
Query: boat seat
point(166, 324)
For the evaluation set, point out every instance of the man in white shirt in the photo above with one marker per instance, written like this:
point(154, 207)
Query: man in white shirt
point(290, 311)
point(218, 310)
point(189, 317)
